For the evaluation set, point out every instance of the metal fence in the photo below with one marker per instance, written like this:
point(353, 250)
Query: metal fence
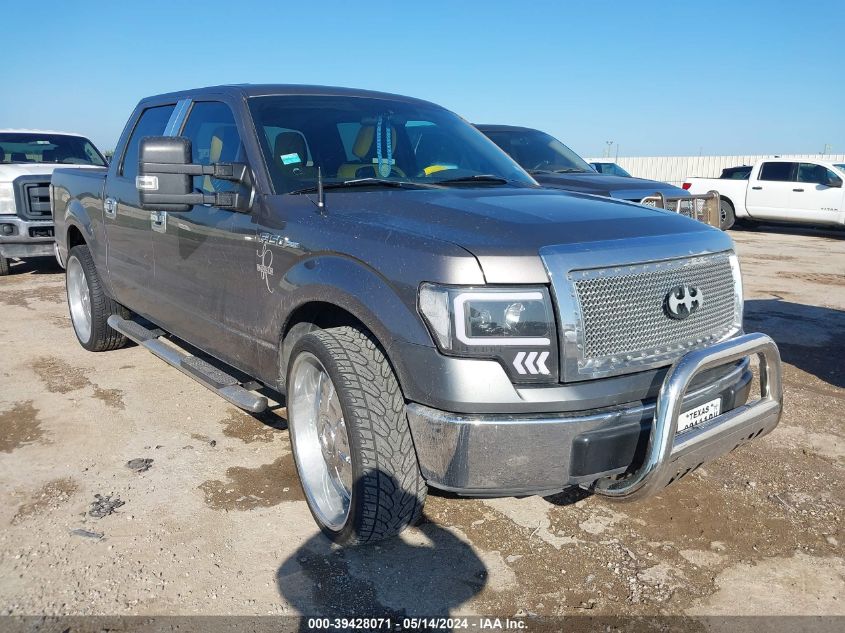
point(674, 169)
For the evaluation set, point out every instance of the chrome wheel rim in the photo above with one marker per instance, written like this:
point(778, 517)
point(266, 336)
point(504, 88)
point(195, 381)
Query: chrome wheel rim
point(79, 299)
point(320, 441)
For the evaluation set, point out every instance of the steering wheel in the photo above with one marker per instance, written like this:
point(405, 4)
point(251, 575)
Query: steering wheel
point(541, 164)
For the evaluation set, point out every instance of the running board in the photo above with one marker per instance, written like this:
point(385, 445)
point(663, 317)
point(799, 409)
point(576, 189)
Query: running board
point(223, 384)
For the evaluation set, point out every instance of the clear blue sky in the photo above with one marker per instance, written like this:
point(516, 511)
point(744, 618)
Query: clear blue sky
point(721, 77)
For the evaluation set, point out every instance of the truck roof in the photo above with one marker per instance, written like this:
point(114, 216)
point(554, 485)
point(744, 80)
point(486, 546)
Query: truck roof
point(31, 131)
point(487, 127)
point(261, 90)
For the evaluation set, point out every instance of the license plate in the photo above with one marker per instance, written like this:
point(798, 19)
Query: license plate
point(699, 414)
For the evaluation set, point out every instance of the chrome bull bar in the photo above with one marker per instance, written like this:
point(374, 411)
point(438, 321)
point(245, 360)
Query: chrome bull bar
point(702, 207)
point(669, 457)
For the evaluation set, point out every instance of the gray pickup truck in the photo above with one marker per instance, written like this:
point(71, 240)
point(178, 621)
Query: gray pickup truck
point(429, 315)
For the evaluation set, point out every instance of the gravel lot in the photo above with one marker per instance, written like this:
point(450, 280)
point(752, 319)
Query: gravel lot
point(217, 524)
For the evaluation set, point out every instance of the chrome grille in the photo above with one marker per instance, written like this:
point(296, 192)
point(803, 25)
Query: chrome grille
point(622, 323)
point(37, 200)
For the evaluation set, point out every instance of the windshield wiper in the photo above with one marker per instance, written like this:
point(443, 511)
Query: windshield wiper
point(475, 178)
point(367, 182)
point(570, 170)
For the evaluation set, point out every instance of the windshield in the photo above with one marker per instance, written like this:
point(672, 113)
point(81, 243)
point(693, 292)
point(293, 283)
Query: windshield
point(35, 147)
point(355, 138)
point(537, 151)
point(840, 167)
point(611, 169)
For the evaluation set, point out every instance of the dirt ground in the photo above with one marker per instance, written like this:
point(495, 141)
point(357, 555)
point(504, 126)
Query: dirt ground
point(217, 524)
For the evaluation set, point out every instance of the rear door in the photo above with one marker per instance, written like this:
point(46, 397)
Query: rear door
point(814, 201)
point(130, 246)
point(205, 258)
point(769, 195)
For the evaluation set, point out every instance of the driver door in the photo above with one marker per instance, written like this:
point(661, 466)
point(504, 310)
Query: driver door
point(205, 258)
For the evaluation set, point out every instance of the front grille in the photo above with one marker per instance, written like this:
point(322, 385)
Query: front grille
point(623, 324)
point(36, 200)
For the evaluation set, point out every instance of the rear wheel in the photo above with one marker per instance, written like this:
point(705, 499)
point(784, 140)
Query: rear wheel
point(727, 217)
point(350, 437)
point(5, 266)
point(89, 305)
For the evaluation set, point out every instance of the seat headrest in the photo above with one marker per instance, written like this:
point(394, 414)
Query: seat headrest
point(19, 157)
point(363, 146)
point(2, 154)
point(290, 149)
point(224, 139)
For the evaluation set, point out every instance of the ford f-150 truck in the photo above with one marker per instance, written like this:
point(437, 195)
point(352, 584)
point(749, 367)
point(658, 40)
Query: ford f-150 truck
point(27, 160)
point(429, 315)
point(782, 190)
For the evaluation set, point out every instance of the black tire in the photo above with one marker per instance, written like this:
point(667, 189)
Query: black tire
point(5, 266)
point(388, 489)
point(727, 217)
point(102, 337)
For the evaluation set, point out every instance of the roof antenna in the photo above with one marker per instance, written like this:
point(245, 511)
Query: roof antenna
point(321, 199)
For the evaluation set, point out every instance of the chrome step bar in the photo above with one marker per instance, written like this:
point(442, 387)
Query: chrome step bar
point(668, 457)
point(220, 382)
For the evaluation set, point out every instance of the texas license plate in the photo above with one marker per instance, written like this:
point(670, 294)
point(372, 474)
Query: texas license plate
point(699, 414)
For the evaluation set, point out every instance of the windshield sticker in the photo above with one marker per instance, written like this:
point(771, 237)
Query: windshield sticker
point(290, 159)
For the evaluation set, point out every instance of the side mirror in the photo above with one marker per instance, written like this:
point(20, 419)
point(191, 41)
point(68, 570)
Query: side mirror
point(165, 177)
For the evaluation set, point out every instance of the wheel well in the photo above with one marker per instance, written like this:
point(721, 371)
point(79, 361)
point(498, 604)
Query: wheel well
point(728, 200)
point(74, 237)
point(315, 315)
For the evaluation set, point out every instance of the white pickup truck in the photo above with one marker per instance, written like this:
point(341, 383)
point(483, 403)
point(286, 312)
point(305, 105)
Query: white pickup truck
point(783, 190)
point(27, 160)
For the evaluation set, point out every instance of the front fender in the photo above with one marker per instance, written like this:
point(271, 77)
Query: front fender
point(387, 309)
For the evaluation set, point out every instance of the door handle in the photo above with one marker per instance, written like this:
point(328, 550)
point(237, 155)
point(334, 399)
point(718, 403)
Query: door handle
point(110, 208)
point(797, 190)
point(757, 188)
point(158, 221)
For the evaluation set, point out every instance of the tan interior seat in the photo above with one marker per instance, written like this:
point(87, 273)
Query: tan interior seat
point(365, 149)
point(223, 147)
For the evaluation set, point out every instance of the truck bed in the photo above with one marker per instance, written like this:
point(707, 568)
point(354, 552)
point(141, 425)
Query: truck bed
point(76, 186)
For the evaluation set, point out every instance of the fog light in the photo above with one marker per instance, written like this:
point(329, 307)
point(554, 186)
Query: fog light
point(7, 229)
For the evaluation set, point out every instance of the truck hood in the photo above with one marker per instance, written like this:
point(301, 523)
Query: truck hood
point(606, 185)
point(9, 172)
point(505, 228)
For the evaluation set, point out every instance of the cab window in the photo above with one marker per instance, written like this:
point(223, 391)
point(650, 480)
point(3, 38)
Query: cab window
point(778, 172)
point(152, 122)
point(812, 173)
point(214, 138)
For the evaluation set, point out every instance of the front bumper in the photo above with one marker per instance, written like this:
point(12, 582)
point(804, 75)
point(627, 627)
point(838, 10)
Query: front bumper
point(25, 238)
point(501, 455)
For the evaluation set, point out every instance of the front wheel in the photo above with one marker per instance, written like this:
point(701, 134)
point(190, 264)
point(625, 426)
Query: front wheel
point(5, 266)
point(350, 437)
point(727, 217)
point(89, 305)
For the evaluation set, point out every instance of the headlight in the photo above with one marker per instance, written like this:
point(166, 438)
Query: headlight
point(513, 325)
point(7, 199)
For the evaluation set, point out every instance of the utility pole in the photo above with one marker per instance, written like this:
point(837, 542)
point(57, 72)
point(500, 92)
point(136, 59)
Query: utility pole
point(607, 151)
